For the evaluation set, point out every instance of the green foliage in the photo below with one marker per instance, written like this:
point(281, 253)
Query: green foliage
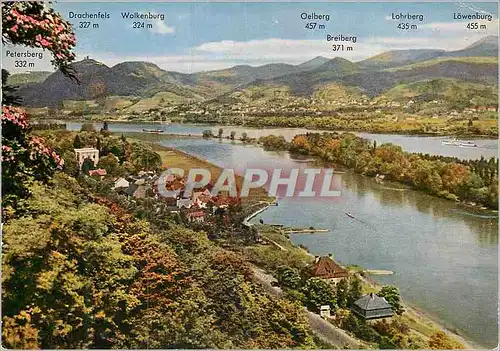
point(318, 292)
point(77, 143)
point(342, 290)
point(111, 164)
point(87, 127)
point(451, 178)
point(392, 296)
point(87, 165)
point(273, 142)
point(25, 158)
point(92, 276)
point(441, 341)
point(355, 290)
point(144, 158)
point(288, 277)
point(207, 133)
point(360, 329)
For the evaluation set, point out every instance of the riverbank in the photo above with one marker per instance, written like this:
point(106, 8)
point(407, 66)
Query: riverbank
point(417, 131)
point(282, 251)
point(428, 162)
point(420, 322)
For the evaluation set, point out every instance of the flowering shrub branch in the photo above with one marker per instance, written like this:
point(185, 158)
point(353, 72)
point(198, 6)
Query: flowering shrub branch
point(24, 158)
point(35, 25)
point(27, 158)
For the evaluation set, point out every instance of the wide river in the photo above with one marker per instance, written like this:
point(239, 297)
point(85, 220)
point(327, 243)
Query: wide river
point(431, 145)
point(445, 259)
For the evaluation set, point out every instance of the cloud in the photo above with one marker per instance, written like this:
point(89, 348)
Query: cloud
point(161, 27)
point(268, 50)
point(460, 28)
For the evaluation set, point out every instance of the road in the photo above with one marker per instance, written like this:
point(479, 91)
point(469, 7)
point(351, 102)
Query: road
point(322, 328)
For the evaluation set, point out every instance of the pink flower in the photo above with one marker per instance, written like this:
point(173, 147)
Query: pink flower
point(14, 28)
point(7, 148)
point(45, 43)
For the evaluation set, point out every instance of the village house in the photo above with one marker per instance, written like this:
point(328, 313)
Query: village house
point(372, 306)
point(326, 268)
point(121, 183)
point(181, 202)
point(101, 172)
point(84, 153)
point(137, 191)
point(195, 216)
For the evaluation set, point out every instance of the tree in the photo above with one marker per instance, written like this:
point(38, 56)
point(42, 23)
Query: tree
point(244, 136)
point(8, 96)
point(453, 176)
point(207, 133)
point(221, 132)
point(441, 341)
point(288, 277)
point(355, 291)
point(342, 290)
point(24, 158)
point(233, 135)
point(300, 144)
point(318, 292)
point(87, 127)
point(87, 165)
point(111, 164)
point(77, 143)
point(391, 294)
point(144, 158)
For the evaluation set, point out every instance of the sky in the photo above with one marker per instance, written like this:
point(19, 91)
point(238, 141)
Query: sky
point(207, 36)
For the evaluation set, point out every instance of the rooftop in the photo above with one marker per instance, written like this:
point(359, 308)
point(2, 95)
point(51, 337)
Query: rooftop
point(372, 302)
point(86, 149)
point(327, 268)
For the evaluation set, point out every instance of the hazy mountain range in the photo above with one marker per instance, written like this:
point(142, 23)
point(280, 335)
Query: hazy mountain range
point(477, 63)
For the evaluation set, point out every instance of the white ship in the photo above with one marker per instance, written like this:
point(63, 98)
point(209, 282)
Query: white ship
point(460, 143)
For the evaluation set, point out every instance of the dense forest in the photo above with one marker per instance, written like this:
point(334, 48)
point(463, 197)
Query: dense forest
point(473, 181)
point(81, 271)
point(85, 268)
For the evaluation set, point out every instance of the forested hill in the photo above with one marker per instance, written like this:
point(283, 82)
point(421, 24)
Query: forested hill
point(84, 267)
point(93, 275)
point(476, 63)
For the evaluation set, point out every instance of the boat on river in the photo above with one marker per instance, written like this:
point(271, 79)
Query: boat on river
point(459, 143)
point(153, 131)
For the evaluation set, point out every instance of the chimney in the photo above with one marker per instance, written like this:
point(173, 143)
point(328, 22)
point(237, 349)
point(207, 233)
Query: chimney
point(330, 255)
point(316, 259)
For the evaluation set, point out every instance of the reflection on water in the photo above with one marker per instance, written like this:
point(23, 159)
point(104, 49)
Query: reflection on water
point(445, 260)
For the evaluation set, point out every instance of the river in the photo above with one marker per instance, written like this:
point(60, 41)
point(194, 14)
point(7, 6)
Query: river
point(425, 144)
point(445, 259)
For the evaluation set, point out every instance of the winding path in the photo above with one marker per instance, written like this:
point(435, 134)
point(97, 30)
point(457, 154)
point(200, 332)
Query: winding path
point(322, 328)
